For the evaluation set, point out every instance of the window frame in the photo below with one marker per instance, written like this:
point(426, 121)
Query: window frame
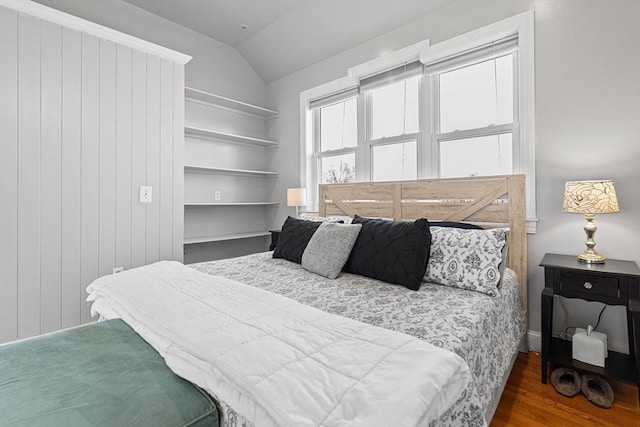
point(318, 154)
point(370, 143)
point(513, 128)
point(521, 25)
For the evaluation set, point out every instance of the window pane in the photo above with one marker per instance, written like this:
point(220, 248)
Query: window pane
point(481, 156)
point(338, 169)
point(392, 162)
point(394, 109)
point(338, 125)
point(477, 96)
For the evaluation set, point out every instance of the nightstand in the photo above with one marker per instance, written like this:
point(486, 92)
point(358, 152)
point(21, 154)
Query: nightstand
point(615, 282)
point(275, 236)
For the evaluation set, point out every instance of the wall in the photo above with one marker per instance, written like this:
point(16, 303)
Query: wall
point(216, 67)
point(85, 122)
point(55, 250)
point(587, 127)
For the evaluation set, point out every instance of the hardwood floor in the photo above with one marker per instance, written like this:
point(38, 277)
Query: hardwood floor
point(528, 402)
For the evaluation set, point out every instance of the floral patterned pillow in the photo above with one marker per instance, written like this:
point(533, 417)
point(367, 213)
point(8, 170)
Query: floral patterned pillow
point(334, 219)
point(466, 259)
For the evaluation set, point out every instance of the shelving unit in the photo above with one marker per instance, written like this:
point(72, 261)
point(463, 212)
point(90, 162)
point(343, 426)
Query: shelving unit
point(230, 134)
point(215, 204)
point(209, 169)
point(211, 134)
point(222, 101)
point(224, 238)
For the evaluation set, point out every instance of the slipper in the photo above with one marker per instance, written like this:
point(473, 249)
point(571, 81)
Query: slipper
point(597, 390)
point(566, 381)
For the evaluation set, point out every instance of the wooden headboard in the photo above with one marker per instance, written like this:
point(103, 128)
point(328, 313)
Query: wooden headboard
point(494, 201)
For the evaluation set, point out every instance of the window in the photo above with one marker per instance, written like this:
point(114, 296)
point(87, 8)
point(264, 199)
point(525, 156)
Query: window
point(475, 120)
point(394, 162)
point(473, 130)
point(465, 108)
point(336, 131)
point(392, 128)
point(394, 109)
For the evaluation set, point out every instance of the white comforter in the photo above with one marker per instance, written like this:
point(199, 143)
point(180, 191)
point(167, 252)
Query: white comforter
point(276, 361)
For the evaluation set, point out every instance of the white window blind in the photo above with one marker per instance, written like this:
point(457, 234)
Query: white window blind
point(480, 53)
point(334, 98)
point(384, 78)
point(391, 76)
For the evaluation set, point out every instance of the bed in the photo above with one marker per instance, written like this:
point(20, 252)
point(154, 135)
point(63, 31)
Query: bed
point(485, 331)
point(480, 330)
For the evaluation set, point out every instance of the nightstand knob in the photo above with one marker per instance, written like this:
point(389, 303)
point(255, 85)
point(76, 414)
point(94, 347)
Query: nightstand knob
point(588, 285)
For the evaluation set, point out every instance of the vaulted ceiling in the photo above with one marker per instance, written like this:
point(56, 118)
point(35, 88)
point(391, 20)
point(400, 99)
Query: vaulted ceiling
point(278, 37)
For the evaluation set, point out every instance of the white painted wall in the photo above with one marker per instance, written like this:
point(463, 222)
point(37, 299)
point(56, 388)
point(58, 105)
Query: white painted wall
point(216, 67)
point(587, 127)
point(84, 123)
point(50, 251)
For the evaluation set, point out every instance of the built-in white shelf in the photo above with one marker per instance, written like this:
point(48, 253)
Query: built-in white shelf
point(217, 127)
point(233, 104)
point(212, 134)
point(207, 169)
point(213, 204)
point(194, 240)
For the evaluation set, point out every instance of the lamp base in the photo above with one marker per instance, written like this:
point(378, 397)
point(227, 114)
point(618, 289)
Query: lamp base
point(591, 257)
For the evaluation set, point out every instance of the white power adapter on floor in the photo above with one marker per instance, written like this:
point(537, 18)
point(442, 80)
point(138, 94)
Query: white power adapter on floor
point(589, 346)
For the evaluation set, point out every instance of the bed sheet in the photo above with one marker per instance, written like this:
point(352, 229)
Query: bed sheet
point(485, 331)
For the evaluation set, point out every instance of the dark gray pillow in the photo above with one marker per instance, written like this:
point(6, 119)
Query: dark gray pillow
point(391, 251)
point(294, 237)
point(329, 248)
point(453, 224)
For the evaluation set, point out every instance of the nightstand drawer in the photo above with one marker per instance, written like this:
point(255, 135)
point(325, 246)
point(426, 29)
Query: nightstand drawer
point(590, 284)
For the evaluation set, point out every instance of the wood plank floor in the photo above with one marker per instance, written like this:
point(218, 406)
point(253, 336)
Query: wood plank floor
point(528, 402)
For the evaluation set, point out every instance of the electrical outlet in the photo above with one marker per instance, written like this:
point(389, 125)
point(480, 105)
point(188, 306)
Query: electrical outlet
point(564, 336)
point(118, 270)
point(145, 194)
point(217, 195)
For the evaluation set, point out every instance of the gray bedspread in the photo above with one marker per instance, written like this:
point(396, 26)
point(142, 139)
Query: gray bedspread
point(485, 331)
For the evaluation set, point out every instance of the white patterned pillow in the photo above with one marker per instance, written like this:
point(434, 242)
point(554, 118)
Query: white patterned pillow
point(467, 259)
point(329, 248)
point(335, 219)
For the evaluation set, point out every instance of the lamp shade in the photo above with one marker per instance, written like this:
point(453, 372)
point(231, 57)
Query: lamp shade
point(296, 197)
point(590, 197)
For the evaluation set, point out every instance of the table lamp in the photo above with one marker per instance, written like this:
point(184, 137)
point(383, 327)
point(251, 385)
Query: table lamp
point(296, 197)
point(590, 198)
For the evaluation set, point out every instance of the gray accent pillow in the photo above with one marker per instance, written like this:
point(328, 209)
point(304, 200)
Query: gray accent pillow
point(329, 248)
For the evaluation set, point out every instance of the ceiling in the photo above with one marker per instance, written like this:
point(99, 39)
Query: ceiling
point(278, 37)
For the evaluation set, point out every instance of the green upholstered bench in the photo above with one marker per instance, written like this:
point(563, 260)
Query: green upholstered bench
point(100, 374)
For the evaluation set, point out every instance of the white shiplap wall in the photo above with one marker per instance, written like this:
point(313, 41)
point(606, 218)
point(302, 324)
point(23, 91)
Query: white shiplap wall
point(83, 123)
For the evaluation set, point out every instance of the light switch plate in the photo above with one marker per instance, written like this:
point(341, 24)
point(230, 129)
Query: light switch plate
point(145, 194)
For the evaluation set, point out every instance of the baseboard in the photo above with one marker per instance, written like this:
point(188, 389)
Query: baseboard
point(534, 339)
